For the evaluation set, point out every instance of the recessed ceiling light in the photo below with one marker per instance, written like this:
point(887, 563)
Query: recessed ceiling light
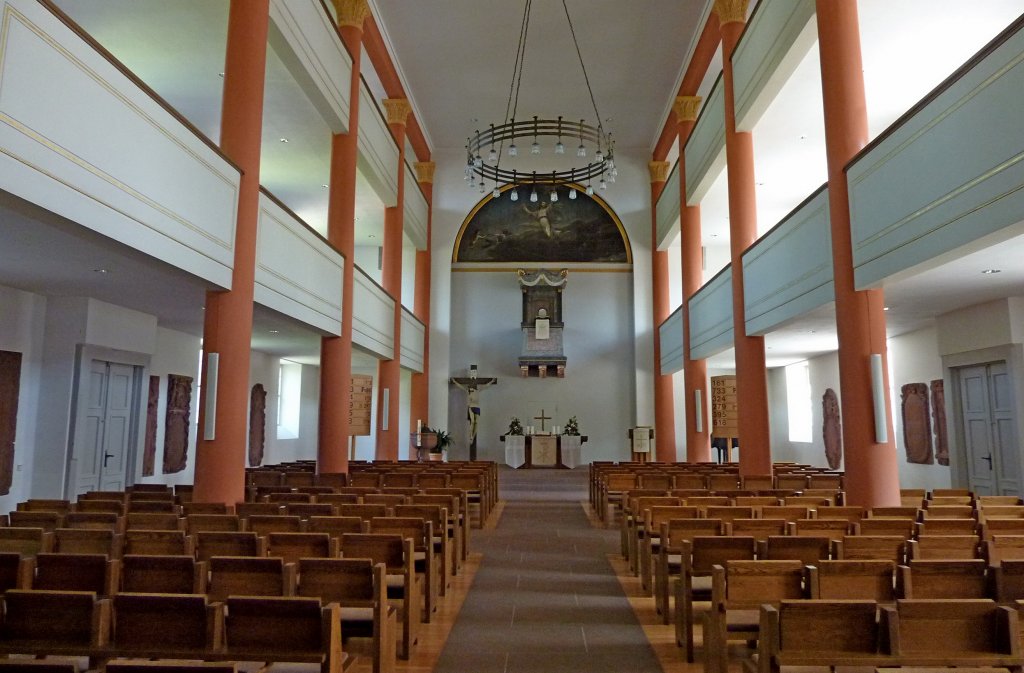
point(221, 74)
point(760, 184)
point(992, 271)
point(273, 331)
point(885, 308)
point(101, 270)
point(372, 235)
point(324, 186)
point(284, 140)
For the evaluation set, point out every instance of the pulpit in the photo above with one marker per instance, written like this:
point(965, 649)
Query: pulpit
point(555, 451)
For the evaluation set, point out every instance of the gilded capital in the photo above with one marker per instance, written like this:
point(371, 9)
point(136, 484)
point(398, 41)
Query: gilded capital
point(731, 11)
point(659, 170)
point(352, 12)
point(686, 108)
point(424, 171)
point(397, 109)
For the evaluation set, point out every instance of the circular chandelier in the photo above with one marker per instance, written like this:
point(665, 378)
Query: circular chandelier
point(486, 150)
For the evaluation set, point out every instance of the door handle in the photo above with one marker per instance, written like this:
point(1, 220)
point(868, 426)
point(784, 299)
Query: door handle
point(989, 459)
point(106, 457)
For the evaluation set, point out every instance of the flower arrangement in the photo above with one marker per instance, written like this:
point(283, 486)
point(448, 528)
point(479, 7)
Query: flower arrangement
point(515, 427)
point(572, 427)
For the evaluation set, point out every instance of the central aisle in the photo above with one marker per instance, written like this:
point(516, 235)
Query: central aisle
point(545, 598)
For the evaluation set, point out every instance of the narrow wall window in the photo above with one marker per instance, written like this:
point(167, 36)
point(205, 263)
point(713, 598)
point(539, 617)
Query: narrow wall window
point(289, 399)
point(798, 402)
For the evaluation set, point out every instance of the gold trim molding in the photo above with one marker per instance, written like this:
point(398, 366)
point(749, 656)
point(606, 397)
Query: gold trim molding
point(659, 170)
point(352, 13)
point(424, 171)
point(686, 108)
point(731, 11)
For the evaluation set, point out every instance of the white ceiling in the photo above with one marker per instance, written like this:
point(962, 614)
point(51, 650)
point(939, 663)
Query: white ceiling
point(456, 57)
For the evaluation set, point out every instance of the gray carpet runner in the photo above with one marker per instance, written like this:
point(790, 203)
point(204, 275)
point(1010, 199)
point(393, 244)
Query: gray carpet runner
point(545, 598)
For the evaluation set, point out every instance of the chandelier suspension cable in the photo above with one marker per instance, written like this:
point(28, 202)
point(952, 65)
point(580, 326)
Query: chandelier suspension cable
point(586, 78)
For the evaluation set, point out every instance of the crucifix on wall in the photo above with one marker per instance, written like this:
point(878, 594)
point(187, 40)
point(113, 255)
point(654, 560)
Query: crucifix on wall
point(472, 385)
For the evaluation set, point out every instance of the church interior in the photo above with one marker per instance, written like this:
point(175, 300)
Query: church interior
point(757, 240)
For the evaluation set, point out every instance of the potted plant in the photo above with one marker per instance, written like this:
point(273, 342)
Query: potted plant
point(515, 427)
point(440, 448)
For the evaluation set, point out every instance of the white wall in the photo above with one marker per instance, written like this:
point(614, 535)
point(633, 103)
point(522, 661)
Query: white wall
point(408, 273)
point(21, 331)
point(264, 368)
point(914, 358)
point(600, 373)
point(630, 310)
point(366, 257)
point(176, 353)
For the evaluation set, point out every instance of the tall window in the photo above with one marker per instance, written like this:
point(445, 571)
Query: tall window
point(289, 399)
point(798, 402)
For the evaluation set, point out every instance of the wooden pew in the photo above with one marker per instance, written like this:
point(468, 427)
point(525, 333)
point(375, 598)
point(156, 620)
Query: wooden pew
point(699, 557)
point(820, 633)
point(943, 579)
point(852, 580)
point(62, 623)
point(870, 548)
point(285, 629)
point(1002, 547)
point(805, 549)
point(163, 574)
point(1008, 581)
point(359, 586)
point(437, 517)
point(153, 521)
point(48, 521)
point(790, 513)
point(25, 541)
point(905, 528)
point(263, 524)
point(16, 571)
point(403, 586)
point(954, 633)
point(95, 521)
point(426, 560)
point(944, 547)
point(166, 626)
point(77, 572)
point(737, 591)
point(249, 576)
point(293, 546)
point(44, 505)
point(759, 529)
point(457, 530)
point(647, 540)
point(87, 541)
point(146, 666)
point(669, 559)
point(228, 543)
point(201, 523)
point(158, 542)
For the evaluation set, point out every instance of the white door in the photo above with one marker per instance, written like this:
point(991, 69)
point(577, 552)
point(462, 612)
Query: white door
point(989, 423)
point(106, 422)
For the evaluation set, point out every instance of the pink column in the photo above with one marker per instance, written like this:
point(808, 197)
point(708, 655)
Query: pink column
point(872, 475)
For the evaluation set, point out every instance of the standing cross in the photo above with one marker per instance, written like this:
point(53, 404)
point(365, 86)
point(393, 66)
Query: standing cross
point(542, 418)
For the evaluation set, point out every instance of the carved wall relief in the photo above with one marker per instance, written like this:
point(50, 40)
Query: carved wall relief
point(917, 430)
point(257, 424)
point(152, 408)
point(179, 408)
point(939, 419)
point(832, 429)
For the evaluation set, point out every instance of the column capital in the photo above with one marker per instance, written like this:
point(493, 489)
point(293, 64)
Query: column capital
point(659, 170)
point(686, 108)
point(397, 109)
point(731, 11)
point(424, 171)
point(352, 13)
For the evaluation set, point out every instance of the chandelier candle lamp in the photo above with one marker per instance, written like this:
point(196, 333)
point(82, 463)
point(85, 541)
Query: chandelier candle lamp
point(493, 157)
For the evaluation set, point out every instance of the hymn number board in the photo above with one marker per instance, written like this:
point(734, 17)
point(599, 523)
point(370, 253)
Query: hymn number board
point(359, 405)
point(725, 413)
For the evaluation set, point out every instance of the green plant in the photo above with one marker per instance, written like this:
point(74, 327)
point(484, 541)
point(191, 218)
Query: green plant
point(572, 427)
point(444, 439)
point(515, 427)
